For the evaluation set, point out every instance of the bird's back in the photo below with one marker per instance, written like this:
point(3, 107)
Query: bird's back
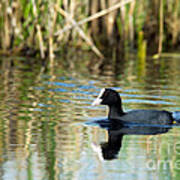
point(147, 117)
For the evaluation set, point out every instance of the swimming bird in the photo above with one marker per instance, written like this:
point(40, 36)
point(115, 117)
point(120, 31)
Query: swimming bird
point(112, 99)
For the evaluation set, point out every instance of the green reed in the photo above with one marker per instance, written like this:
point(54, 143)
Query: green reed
point(30, 27)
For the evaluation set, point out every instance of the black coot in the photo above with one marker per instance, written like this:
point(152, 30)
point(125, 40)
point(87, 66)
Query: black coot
point(112, 99)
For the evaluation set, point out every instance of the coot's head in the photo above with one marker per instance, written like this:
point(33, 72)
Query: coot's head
point(108, 97)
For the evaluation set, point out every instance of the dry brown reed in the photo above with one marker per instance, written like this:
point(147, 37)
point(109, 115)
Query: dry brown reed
point(31, 28)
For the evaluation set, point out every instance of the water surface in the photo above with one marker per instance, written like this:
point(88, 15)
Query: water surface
point(43, 115)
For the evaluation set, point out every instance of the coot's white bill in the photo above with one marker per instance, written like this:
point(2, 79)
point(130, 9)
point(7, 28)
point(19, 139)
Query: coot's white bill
point(98, 100)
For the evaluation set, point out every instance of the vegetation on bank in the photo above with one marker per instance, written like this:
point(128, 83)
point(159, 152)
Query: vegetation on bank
point(107, 27)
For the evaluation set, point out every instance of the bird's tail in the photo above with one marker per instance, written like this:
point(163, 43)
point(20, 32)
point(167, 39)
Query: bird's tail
point(176, 116)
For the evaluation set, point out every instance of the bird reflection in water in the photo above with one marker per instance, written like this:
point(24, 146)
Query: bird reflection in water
point(116, 131)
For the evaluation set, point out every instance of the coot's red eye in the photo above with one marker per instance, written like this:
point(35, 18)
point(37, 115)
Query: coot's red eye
point(105, 93)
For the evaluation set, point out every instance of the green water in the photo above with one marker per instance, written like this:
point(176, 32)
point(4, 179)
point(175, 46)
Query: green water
point(43, 113)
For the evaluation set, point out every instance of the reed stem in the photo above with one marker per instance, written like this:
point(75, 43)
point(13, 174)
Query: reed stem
point(80, 31)
point(94, 16)
point(161, 27)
